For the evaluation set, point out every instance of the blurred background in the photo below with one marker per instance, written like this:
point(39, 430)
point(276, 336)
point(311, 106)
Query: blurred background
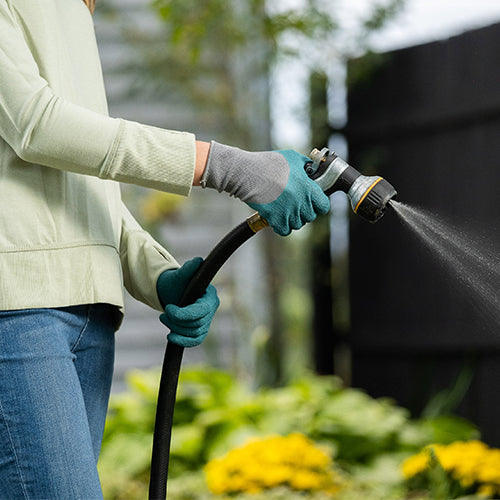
point(408, 89)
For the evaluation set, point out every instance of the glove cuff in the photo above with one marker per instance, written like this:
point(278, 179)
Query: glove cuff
point(252, 177)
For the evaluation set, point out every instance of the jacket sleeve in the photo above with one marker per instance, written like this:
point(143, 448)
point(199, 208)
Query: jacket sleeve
point(48, 130)
point(143, 260)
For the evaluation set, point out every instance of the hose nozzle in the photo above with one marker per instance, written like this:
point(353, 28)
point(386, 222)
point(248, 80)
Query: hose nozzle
point(369, 195)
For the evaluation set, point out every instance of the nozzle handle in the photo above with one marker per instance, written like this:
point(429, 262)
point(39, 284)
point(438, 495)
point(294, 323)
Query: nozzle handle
point(330, 171)
point(368, 195)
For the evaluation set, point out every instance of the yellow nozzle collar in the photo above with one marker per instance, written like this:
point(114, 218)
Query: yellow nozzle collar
point(366, 193)
point(257, 222)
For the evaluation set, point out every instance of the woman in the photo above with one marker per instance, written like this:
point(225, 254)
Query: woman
point(68, 245)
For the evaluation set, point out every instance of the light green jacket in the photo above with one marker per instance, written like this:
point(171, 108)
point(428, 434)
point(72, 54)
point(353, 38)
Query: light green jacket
point(65, 236)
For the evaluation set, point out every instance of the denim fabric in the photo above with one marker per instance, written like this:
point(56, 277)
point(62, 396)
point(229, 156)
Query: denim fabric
point(55, 376)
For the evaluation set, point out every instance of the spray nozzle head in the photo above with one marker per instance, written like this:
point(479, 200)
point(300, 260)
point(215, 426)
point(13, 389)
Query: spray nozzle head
point(369, 195)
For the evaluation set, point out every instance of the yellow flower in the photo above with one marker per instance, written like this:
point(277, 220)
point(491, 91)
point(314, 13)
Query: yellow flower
point(472, 463)
point(306, 481)
point(293, 461)
point(415, 465)
point(487, 490)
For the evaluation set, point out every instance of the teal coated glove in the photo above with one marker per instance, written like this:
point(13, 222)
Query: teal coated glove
point(272, 182)
point(188, 325)
point(300, 201)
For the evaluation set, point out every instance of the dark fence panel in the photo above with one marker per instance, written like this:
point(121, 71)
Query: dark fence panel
point(428, 119)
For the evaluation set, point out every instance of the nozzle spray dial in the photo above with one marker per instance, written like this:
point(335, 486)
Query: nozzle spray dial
point(369, 195)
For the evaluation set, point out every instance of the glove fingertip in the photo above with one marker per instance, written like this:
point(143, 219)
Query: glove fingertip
point(211, 291)
point(164, 318)
point(192, 265)
point(320, 202)
point(182, 341)
point(197, 260)
point(309, 217)
point(324, 206)
point(169, 308)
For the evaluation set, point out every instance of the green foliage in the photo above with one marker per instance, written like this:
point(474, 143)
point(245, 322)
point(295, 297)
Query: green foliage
point(212, 24)
point(381, 13)
point(216, 55)
point(126, 451)
point(447, 400)
point(364, 68)
point(215, 413)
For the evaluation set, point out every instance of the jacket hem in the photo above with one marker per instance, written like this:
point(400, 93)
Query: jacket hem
point(72, 275)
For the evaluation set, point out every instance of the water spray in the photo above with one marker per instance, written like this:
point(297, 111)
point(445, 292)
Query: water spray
point(369, 196)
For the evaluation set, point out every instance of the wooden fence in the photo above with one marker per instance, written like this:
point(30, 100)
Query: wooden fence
point(428, 119)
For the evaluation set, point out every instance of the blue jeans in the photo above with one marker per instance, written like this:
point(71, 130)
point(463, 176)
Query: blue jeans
point(55, 376)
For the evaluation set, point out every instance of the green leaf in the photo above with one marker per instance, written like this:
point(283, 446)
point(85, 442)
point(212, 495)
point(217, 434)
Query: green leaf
point(449, 428)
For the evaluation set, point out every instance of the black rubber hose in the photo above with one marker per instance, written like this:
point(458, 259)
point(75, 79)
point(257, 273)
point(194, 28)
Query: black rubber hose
point(173, 359)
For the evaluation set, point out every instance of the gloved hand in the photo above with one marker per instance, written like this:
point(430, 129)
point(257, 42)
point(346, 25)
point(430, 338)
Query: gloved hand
point(272, 182)
point(189, 325)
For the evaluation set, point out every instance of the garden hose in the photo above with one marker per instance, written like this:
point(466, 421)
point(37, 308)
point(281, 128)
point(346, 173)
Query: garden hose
point(173, 353)
point(369, 197)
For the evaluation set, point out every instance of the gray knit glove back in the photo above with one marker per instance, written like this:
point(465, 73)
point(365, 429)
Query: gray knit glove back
point(273, 183)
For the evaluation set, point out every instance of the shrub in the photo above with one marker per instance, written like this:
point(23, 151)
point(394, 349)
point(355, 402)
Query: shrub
point(215, 413)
